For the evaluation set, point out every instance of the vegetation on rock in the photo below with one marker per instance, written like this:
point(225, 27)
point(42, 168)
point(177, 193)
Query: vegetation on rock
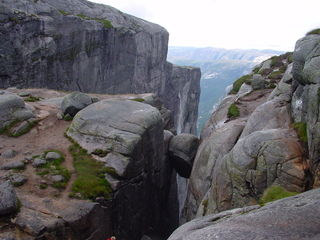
point(90, 182)
point(275, 193)
point(106, 23)
point(32, 99)
point(54, 167)
point(314, 31)
point(137, 99)
point(301, 129)
point(238, 83)
point(233, 111)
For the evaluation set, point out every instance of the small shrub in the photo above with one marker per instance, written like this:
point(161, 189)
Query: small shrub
point(233, 111)
point(301, 129)
point(314, 31)
point(238, 83)
point(274, 193)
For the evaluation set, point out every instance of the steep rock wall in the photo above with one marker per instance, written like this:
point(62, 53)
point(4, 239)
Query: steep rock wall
point(306, 96)
point(79, 45)
point(248, 145)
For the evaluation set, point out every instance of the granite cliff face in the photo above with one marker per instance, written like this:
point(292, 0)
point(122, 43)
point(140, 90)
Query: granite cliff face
point(79, 45)
point(263, 137)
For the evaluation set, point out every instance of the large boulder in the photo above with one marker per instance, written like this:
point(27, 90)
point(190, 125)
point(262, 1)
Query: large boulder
point(74, 102)
point(12, 110)
point(130, 134)
point(294, 218)
point(8, 199)
point(72, 220)
point(182, 150)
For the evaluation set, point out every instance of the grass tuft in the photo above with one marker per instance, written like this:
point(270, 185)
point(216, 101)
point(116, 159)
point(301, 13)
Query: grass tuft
point(238, 83)
point(233, 111)
point(274, 193)
point(137, 99)
point(90, 182)
point(32, 99)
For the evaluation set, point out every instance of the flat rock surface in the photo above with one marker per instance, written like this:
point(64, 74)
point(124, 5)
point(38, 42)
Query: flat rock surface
point(294, 218)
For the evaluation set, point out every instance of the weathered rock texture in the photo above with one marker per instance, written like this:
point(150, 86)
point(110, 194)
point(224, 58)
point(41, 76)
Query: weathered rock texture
point(131, 135)
point(88, 47)
point(241, 156)
point(306, 95)
point(292, 218)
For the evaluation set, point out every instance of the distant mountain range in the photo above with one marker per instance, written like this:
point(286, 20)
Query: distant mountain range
point(220, 68)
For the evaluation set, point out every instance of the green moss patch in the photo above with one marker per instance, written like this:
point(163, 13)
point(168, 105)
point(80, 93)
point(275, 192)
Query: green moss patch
point(274, 193)
point(233, 111)
point(137, 99)
point(32, 99)
point(314, 31)
point(100, 152)
point(301, 129)
point(55, 167)
point(238, 83)
point(276, 75)
point(106, 23)
point(90, 182)
point(65, 13)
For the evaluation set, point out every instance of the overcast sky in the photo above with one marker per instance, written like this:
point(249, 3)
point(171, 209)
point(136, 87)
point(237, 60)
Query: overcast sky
point(272, 24)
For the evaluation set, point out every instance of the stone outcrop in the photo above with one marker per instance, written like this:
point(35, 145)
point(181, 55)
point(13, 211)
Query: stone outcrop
point(299, 215)
point(130, 134)
point(88, 47)
point(12, 110)
point(8, 199)
point(242, 154)
point(306, 95)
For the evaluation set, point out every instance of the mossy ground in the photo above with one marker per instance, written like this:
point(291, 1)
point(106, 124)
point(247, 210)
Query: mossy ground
point(8, 129)
point(55, 167)
point(233, 111)
point(238, 83)
point(274, 193)
point(90, 182)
